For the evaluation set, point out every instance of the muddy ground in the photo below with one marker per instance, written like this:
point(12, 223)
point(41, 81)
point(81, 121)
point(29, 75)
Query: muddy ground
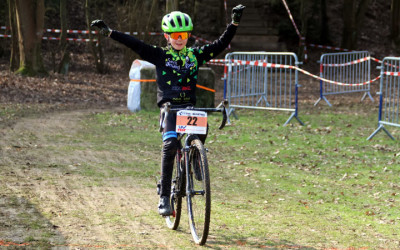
point(39, 202)
point(64, 210)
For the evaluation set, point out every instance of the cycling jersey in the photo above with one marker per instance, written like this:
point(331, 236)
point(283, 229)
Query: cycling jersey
point(176, 70)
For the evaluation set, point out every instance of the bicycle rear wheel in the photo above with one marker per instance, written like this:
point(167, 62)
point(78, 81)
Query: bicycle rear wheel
point(175, 198)
point(199, 200)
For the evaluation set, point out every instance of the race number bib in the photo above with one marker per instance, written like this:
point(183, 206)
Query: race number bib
point(191, 122)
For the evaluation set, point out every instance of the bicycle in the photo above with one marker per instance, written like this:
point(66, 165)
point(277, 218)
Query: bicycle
point(191, 157)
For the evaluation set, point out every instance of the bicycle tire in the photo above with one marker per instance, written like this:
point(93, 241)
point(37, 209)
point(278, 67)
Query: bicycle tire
point(175, 198)
point(199, 202)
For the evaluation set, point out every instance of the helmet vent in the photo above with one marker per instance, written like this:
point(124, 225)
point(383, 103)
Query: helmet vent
point(186, 19)
point(179, 21)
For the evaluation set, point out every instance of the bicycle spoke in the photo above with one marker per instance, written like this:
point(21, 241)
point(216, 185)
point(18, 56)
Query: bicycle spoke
point(199, 202)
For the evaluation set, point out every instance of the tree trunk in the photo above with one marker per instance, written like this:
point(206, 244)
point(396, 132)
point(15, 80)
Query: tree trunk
point(151, 18)
point(349, 24)
point(95, 48)
point(395, 20)
point(360, 15)
point(30, 23)
point(324, 35)
point(14, 57)
point(353, 17)
point(172, 5)
point(304, 15)
point(4, 19)
point(64, 63)
point(134, 8)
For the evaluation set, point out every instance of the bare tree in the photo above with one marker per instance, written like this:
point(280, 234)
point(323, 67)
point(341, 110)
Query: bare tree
point(353, 16)
point(127, 20)
point(96, 48)
point(65, 58)
point(305, 7)
point(324, 34)
point(172, 5)
point(3, 19)
point(151, 18)
point(14, 57)
point(30, 23)
point(395, 20)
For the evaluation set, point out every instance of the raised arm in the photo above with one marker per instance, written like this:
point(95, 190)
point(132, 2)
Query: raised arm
point(145, 51)
point(209, 51)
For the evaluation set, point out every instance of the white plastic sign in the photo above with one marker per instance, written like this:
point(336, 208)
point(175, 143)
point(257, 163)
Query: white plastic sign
point(133, 100)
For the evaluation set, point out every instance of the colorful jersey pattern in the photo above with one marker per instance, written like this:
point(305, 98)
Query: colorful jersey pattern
point(177, 71)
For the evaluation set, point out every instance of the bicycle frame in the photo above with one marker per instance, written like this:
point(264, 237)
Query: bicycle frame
point(189, 137)
point(167, 107)
point(188, 170)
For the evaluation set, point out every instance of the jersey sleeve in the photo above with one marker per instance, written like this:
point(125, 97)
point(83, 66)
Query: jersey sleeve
point(147, 52)
point(209, 51)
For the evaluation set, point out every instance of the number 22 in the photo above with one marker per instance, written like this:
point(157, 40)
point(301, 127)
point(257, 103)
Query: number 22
point(192, 121)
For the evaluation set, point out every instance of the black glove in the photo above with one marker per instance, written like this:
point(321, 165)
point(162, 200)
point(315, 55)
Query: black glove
point(237, 13)
point(104, 29)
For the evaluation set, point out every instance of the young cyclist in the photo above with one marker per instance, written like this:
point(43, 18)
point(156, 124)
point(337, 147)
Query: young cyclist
point(177, 69)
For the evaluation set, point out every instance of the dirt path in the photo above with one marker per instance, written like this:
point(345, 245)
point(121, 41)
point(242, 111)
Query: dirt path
point(42, 201)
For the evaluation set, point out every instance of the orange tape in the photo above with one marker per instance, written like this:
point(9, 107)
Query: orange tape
point(9, 243)
point(205, 88)
point(143, 80)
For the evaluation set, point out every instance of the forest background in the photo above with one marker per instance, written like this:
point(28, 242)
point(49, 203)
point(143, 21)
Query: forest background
point(350, 24)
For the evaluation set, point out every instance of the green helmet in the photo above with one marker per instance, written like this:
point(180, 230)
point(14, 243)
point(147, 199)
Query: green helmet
point(176, 21)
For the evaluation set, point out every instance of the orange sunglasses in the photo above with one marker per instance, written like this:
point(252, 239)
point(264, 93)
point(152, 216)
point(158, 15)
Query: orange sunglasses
point(176, 35)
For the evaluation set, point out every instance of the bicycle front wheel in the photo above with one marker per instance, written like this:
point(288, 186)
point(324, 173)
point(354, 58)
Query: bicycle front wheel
point(199, 200)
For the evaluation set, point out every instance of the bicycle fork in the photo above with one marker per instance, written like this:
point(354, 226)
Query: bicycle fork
point(189, 192)
point(185, 152)
point(189, 180)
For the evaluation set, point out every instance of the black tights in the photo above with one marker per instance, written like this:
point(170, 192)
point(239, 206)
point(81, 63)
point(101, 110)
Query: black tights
point(170, 146)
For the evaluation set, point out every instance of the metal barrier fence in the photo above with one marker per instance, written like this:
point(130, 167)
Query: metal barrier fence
point(272, 87)
point(346, 67)
point(389, 95)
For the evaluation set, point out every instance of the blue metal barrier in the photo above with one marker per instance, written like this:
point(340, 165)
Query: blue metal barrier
point(389, 95)
point(346, 67)
point(252, 86)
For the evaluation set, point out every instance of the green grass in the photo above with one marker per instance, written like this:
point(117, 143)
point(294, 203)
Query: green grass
point(322, 185)
point(11, 112)
point(318, 185)
point(322, 177)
